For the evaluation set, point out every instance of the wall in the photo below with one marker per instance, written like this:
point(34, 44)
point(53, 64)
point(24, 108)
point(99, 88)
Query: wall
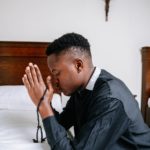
point(115, 44)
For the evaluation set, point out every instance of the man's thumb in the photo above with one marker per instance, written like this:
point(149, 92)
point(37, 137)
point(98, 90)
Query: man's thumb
point(49, 83)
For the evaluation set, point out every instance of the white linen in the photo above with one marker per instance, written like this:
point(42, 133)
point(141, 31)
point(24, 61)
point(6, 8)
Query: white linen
point(18, 119)
point(17, 129)
point(148, 102)
point(37, 146)
point(15, 97)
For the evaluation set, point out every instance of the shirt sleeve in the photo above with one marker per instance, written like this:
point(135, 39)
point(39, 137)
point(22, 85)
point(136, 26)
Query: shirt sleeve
point(108, 122)
point(66, 118)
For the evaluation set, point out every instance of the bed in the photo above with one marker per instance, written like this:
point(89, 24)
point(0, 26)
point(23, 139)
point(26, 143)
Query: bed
point(145, 101)
point(17, 113)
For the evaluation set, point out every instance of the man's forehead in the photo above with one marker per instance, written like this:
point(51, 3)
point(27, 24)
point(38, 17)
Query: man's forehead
point(52, 61)
point(56, 60)
point(52, 57)
point(63, 57)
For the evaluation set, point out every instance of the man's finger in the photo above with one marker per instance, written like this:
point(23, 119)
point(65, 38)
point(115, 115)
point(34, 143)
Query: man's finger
point(33, 73)
point(29, 76)
point(26, 82)
point(49, 84)
point(38, 72)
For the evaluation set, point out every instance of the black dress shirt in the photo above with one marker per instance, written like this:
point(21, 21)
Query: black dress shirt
point(105, 118)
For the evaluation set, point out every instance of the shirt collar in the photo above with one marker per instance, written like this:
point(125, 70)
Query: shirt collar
point(93, 79)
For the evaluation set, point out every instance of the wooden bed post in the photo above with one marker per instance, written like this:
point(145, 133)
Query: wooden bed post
point(145, 51)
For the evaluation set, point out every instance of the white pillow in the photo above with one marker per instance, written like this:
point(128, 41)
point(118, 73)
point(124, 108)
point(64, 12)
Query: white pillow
point(16, 98)
point(149, 102)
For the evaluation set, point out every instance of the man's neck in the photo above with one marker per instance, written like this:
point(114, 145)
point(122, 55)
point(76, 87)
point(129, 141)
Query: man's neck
point(88, 75)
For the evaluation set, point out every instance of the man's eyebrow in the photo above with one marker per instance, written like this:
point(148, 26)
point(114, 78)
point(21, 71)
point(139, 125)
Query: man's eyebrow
point(51, 70)
point(54, 71)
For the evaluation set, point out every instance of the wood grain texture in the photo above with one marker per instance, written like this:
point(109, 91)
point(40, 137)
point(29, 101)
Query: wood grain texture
point(145, 51)
point(15, 56)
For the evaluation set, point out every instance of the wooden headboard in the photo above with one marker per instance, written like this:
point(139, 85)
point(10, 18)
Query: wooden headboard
point(15, 56)
point(145, 51)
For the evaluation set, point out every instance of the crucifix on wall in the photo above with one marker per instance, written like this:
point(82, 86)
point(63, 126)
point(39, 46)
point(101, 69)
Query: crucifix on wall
point(106, 9)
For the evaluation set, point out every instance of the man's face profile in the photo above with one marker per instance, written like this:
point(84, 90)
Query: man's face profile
point(64, 72)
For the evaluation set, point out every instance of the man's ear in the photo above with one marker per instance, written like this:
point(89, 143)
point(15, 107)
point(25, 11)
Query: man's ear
point(78, 65)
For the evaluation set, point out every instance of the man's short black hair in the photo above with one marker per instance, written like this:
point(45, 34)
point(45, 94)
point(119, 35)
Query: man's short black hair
point(67, 41)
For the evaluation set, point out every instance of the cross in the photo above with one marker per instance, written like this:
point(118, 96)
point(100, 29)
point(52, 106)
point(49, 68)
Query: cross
point(106, 9)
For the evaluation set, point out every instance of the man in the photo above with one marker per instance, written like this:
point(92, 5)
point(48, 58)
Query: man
point(101, 108)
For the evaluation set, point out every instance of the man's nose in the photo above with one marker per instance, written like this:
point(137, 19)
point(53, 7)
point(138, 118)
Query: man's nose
point(55, 81)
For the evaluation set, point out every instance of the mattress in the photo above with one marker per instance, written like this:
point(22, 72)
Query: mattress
point(18, 119)
point(17, 129)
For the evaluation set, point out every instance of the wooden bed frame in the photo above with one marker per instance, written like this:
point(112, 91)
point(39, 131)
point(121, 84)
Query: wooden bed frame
point(15, 56)
point(145, 51)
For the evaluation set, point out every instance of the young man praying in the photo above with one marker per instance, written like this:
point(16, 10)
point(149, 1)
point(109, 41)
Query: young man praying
point(101, 108)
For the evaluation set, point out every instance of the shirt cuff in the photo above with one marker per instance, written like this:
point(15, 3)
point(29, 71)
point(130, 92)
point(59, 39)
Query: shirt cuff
point(54, 131)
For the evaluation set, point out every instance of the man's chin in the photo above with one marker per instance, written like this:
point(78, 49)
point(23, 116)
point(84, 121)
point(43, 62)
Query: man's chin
point(66, 93)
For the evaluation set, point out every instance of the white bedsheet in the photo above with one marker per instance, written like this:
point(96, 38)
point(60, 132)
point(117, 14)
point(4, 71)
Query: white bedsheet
point(37, 146)
point(17, 129)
